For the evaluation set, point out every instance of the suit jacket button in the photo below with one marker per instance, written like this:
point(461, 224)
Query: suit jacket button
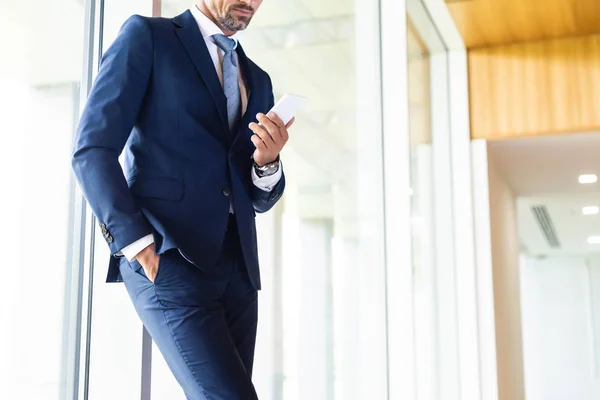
point(226, 192)
point(103, 227)
point(110, 239)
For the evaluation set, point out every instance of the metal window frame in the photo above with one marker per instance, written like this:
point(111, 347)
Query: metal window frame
point(80, 350)
point(79, 243)
point(455, 181)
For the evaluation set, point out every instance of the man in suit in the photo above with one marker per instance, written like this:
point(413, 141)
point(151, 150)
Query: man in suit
point(186, 104)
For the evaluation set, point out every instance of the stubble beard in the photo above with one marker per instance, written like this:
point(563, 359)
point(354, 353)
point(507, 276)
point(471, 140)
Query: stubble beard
point(229, 21)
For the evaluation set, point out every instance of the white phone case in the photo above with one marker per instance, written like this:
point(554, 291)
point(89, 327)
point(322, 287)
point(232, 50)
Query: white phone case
point(287, 107)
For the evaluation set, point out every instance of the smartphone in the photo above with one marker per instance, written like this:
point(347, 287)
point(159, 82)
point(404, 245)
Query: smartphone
point(287, 107)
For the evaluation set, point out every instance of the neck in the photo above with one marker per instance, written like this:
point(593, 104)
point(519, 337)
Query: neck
point(206, 11)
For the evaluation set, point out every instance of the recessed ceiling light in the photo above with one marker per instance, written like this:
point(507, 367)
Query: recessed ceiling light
point(587, 179)
point(591, 210)
point(594, 240)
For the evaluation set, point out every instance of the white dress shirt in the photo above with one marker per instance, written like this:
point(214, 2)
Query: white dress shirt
point(208, 29)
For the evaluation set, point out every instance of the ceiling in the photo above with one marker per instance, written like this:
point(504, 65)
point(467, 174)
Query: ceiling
point(548, 165)
point(544, 171)
point(493, 22)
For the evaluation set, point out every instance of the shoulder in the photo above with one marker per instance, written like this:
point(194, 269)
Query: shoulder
point(135, 25)
point(140, 23)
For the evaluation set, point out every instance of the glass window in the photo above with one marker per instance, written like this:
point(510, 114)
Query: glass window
point(322, 328)
point(116, 335)
point(322, 310)
point(40, 73)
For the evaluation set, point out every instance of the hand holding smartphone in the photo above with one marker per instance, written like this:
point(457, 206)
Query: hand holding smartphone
point(287, 107)
point(270, 141)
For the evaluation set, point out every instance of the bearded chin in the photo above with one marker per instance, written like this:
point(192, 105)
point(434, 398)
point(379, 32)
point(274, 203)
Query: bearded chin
point(234, 24)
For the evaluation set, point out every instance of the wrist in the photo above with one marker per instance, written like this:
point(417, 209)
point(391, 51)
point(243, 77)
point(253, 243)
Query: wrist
point(263, 163)
point(145, 253)
point(267, 169)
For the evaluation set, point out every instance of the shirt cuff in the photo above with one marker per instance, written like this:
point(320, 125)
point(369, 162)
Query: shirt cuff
point(131, 251)
point(267, 183)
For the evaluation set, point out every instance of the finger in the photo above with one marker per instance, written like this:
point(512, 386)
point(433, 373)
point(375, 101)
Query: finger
point(270, 126)
point(258, 142)
point(262, 133)
point(289, 124)
point(275, 118)
point(279, 122)
point(285, 136)
point(285, 132)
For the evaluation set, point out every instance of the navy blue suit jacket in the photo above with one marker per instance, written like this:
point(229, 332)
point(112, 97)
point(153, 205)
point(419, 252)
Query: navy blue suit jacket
point(158, 98)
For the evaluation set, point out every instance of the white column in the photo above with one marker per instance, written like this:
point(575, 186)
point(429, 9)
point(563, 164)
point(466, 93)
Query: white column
point(399, 274)
point(346, 321)
point(464, 242)
point(485, 279)
point(448, 385)
point(424, 274)
point(268, 362)
point(372, 345)
point(315, 360)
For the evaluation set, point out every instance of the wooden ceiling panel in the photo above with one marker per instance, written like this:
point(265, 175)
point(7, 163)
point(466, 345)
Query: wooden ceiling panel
point(492, 22)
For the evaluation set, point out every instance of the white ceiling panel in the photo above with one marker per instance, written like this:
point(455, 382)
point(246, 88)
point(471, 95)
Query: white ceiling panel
point(571, 226)
point(544, 171)
point(548, 164)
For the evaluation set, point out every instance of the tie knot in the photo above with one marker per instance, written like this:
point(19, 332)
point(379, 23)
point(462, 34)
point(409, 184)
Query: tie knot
point(225, 43)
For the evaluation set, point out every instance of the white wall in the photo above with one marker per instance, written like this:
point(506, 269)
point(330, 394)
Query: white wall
point(560, 307)
point(507, 305)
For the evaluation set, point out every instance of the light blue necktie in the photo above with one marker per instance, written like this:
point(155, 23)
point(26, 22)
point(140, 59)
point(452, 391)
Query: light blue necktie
point(231, 85)
point(230, 80)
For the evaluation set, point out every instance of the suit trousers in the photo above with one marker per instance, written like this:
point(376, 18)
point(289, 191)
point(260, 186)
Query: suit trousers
point(203, 322)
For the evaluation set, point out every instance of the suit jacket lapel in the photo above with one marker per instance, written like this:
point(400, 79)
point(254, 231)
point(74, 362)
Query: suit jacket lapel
point(191, 38)
point(252, 86)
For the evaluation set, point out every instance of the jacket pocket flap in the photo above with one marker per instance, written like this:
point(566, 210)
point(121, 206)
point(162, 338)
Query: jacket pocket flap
point(158, 188)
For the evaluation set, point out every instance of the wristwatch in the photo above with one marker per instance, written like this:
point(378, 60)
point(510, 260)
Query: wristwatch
point(267, 170)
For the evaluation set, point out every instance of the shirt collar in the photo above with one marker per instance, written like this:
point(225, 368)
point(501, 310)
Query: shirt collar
point(207, 27)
